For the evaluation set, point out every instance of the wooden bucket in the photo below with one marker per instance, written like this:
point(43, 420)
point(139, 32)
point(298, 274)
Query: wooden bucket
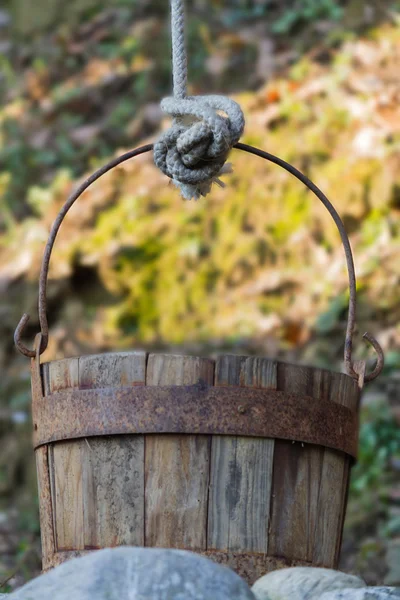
point(110, 476)
point(245, 460)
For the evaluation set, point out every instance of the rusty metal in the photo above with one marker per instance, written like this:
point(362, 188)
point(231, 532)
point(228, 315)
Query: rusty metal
point(351, 319)
point(42, 305)
point(194, 409)
point(36, 378)
point(380, 362)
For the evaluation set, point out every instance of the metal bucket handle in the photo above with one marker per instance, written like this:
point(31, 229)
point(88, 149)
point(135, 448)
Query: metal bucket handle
point(42, 305)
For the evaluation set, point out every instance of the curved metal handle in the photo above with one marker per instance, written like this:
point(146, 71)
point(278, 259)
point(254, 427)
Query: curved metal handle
point(42, 305)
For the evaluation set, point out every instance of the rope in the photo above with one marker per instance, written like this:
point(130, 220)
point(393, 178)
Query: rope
point(179, 59)
point(194, 150)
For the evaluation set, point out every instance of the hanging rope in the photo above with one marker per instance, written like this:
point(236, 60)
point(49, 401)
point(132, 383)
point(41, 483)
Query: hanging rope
point(194, 150)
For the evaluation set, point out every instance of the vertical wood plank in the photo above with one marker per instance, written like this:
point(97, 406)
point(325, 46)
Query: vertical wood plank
point(97, 484)
point(60, 375)
point(113, 491)
point(303, 526)
point(177, 466)
point(112, 370)
point(224, 473)
point(65, 465)
point(241, 469)
point(296, 481)
point(297, 477)
point(113, 466)
point(45, 506)
point(65, 458)
point(334, 482)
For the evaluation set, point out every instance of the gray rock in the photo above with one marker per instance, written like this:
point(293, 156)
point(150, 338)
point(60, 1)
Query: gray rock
point(302, 583)
point(137, 574)
point(365, 593)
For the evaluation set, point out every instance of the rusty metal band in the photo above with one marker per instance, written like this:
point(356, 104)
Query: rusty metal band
point(194, 409)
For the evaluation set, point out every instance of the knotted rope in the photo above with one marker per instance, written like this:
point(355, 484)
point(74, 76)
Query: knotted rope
point(194, 150)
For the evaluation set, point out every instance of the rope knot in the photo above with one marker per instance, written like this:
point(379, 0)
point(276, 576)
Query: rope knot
point(194, 150)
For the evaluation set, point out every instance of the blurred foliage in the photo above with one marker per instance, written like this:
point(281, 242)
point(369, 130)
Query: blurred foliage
point(307, 10)
point(373, 516)
point(379, 444)
point(256, 267)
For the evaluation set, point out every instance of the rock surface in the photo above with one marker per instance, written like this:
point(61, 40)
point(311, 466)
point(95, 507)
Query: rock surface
point(365, 593)
point(303, 583)
point(137, 574)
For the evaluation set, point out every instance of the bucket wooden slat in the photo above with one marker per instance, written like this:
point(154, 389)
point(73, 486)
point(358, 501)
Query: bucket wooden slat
point(241, 469)
point(93, 506)
point(112, 370)
point(301, 482)
point(334, 482)
point(46, 512)
point(65, 465)
point(65, 462)
point(176, 499)
point(113, 468)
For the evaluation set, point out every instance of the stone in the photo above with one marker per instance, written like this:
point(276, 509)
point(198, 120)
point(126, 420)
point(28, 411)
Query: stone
point(303, 583)
point(365, 593)
point(137, 574)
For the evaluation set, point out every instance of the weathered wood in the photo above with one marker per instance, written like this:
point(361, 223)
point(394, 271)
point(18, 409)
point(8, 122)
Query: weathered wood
point(97, 484)
point(65, 465)
point(304, 523)
point(112, 370)
point(45, 506)
point(247, 502)
point(334, 482)
point(113, 491)
point(241, 469)
point(66, 477)
point(113, 467)
point(177, 467)
point(60, 375)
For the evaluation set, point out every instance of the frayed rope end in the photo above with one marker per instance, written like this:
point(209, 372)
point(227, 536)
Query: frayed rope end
point(195, 192)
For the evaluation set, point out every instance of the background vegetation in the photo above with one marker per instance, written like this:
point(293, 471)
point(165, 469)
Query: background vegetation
point(254, 268)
